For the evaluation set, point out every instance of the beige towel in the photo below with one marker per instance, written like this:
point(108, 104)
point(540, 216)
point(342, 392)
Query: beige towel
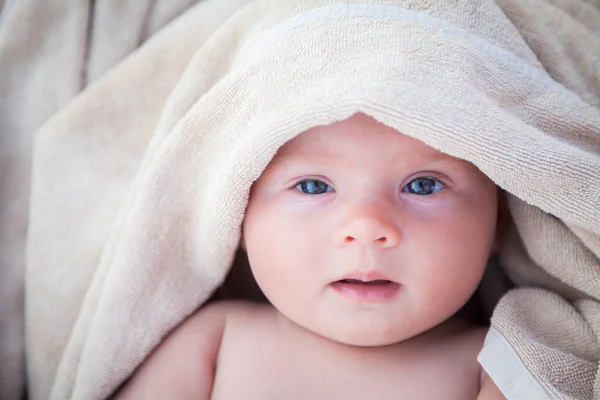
point(49, 51)
point(139, 184)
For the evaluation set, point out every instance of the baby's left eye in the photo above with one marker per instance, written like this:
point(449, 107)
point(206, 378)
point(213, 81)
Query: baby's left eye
point(423, 186)
point(313, 186)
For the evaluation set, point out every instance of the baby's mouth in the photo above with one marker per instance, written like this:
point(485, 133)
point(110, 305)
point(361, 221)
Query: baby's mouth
point(372, 282)
point(376, 290)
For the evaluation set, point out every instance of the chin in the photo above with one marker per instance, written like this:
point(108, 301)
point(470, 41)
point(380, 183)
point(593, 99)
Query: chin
point(374, 338)
point(370, 342)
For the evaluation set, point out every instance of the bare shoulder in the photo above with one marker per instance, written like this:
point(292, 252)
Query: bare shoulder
point(473, 338)
point(204, 329)
point(220, 312)
point(489, 390)
point(183, 364)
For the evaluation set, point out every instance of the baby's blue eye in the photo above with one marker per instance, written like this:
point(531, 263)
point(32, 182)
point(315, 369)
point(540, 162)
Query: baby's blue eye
point(313, 186)
point(423, 186)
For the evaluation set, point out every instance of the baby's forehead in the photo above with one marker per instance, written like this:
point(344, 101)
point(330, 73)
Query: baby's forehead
point(358, 137)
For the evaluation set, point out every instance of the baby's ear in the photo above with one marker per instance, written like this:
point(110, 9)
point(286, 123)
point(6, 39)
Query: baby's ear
point(502, 221)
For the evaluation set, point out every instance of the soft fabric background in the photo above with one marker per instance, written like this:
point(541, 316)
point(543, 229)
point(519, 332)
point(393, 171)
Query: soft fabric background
point(150, 120)
point(49, 52)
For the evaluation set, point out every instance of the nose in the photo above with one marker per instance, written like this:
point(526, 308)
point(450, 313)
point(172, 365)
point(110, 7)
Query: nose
point(368, 226)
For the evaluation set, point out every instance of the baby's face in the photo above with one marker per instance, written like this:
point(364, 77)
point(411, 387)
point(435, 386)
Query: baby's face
point(367, 236)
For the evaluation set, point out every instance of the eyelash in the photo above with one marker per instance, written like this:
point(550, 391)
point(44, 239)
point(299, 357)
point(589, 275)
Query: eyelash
point(309, 179)
point(431, 176)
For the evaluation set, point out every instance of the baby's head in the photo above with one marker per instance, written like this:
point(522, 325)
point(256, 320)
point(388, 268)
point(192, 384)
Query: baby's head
point(354, 202)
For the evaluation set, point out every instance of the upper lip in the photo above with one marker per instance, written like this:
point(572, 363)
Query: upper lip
point(366, 276)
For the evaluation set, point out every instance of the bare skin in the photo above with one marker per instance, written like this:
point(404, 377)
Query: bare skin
point(437, 364)
point(366, 242)
point(235, 350)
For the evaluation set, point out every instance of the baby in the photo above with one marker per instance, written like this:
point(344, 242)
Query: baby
point(366, 242)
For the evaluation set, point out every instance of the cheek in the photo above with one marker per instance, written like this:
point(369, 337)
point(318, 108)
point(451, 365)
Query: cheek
point(280, 248)
point(453, 251)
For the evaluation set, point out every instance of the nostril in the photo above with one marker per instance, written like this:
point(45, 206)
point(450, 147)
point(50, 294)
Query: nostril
point(382, 239)
point(349, 239)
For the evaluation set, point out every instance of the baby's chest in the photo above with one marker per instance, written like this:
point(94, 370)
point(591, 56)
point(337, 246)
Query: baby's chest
point(283, 371)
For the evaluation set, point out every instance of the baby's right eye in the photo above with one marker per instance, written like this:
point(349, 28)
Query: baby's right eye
point(313, 186)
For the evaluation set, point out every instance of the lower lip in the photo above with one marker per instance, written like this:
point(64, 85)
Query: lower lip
point(365, 292)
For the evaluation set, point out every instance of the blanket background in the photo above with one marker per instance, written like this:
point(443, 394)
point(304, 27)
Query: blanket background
point(99, 86)
point(49, 52)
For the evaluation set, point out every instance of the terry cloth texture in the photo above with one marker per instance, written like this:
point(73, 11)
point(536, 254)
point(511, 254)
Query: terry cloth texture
point(139, 183)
